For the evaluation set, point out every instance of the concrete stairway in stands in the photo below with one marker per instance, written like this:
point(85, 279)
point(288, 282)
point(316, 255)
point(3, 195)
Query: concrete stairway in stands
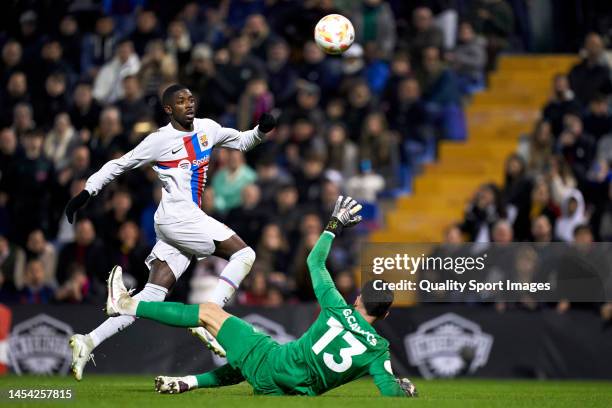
point(496, 119)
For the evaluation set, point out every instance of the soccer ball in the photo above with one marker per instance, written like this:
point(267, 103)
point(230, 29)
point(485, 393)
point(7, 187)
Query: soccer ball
point(334, 34)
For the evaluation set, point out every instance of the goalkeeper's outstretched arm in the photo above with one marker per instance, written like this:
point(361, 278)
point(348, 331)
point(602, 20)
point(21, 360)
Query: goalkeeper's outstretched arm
point(344, 215)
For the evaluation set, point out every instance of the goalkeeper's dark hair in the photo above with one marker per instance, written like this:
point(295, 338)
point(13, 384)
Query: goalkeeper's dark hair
point(376, 302)
point(168, 95)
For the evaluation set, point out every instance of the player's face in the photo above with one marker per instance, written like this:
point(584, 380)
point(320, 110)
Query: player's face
point(183, 108)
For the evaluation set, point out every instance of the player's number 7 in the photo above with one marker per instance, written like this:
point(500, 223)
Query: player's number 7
point(346, 354)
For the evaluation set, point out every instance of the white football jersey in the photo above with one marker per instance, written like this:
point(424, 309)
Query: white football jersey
point(181, 162)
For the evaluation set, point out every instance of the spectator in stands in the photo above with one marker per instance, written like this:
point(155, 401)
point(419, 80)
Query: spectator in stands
point(282, 77)
point(374, 23)
point(541, 204)
point(30, 186)
point(583, 234)
point(345, 282)
point(11, 61)
point(16, 92)
point(85, 111)
point(366, 185)
point(51, 62)
point(98, 47)
point(256, 100)
point(248, 219)
point(468, 59)
point(407, 115)
point(108, 137)
point(129, 253)
point(377, 69)
point(77, 287)
point(12, 263)
point(23, 119)
point(146, 31)
point(286, 211)
point(342, 152)
point(602, 218)
point(437, 82)
point(53, 101)
point(306, 104)
point(35, 291)
point(424, 33)
point(541, 229)
point(9, 155)
point(353, 67)
point(598, 120)
point(239, 68)
point(537, 150)
point(229, 182)
point(562, 181)
point(517, 185)
point(158, 68)
point(87, 252)
point(70, 39)
point(108, 86)
point(29, 36)
point(178, 42)
point(319, 70)
point(360, 104)
point(259, 33)
point(132, 105)
point(310, 229)
point(37, 247)
point(257, 289)
point(502, 232)
point(400, 69)
point(591, 76)
point(493, 19)
point(577, 147)
point(561, 102)
point(200, 77)
point(273, 249)
point(60, 142)
point(482, 213)
point(193, 17)
point(270, 178)
point(304, 140)
point(118, 213)
point(378, 148)
point(309, 178)
point(572, 215)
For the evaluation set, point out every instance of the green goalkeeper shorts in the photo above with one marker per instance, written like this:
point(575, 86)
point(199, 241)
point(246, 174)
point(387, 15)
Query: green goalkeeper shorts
point(249, 350)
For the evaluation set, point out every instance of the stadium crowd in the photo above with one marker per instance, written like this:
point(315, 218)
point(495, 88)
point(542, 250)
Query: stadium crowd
point(80, 85)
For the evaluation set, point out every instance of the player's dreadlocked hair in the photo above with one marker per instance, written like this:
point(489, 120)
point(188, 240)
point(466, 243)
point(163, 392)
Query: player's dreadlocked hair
point(376, 302)
point(169, 93)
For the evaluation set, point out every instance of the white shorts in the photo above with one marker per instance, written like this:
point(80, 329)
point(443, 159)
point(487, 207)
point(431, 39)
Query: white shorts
point(177, 243)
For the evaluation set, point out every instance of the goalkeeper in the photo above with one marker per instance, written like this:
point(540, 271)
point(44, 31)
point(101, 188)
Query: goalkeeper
point(339, 347)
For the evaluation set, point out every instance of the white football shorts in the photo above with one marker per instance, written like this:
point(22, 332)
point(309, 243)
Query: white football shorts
point(177, 243)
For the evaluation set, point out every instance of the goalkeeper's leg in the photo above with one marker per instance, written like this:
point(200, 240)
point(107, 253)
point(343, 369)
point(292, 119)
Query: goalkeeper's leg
point(219, 377)
point(119, 302)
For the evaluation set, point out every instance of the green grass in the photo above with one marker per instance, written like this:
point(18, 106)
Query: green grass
point(137, 391)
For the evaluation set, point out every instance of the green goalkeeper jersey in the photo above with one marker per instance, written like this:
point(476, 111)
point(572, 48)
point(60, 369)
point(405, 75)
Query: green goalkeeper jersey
point(339, 347)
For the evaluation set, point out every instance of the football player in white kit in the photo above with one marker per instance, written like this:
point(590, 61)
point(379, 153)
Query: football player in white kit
point(180, 153)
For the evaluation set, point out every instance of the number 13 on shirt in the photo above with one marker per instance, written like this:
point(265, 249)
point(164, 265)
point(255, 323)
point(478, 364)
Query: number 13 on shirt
point(346, 353)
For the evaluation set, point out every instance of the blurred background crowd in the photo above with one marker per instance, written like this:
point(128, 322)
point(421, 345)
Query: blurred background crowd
point(80, 84)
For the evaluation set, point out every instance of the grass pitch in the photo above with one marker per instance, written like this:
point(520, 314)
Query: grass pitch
point(137, 391)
